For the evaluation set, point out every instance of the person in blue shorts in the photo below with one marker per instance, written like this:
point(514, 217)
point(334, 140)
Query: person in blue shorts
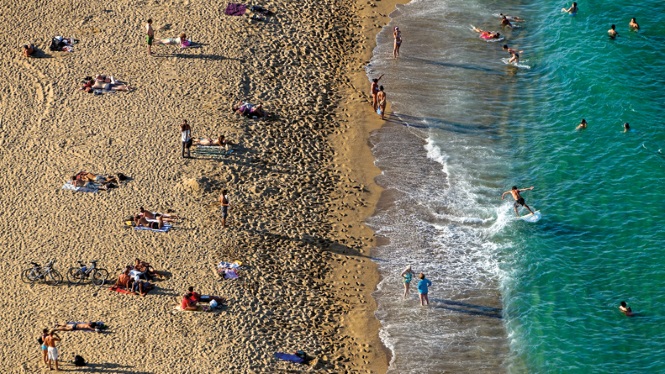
point(407, 275)
point(423, 289)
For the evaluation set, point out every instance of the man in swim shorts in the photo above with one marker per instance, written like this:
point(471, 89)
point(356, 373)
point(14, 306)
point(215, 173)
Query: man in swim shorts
point(150, 35)
point(519, 200)
point(50, 341)
point(514, 55)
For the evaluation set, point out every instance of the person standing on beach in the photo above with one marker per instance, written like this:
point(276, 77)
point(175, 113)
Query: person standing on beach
point(150, 35)
point(50, 341)
point(397, 35)
point(407, 275)
point(186, 137)
point(519, 200)
point(381, 97)
point(423, 289)
point(224, 205)
point(612, 32)
point(375, 90)
point(43, 346)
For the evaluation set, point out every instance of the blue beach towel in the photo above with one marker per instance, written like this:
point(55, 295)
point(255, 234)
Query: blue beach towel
point(289, 357)
point(164, 228)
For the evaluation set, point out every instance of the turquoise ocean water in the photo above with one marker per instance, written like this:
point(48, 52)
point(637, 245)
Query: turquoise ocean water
point(509, 295)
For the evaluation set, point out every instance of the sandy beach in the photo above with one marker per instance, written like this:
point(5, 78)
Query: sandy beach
point(300, 184)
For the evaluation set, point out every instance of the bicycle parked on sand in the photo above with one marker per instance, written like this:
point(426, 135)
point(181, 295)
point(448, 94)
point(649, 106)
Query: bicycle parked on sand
point(46, 273)
point(76, 275)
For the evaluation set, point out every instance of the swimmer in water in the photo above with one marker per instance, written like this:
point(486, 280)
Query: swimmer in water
point(519, 200)
point(612, 32)
point(626, 127)
point(487, 34)
point(511, 18)
point(514, 55)
point(625, 309)
point(505, 22)
point(582, 125)
point(633, 25)
point(572, 10)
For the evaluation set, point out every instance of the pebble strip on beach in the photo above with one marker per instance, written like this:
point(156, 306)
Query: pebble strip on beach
point(295, 215)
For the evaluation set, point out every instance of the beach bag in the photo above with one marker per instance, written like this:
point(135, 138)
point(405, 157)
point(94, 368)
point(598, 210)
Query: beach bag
point(79, 361)
point(122, 177)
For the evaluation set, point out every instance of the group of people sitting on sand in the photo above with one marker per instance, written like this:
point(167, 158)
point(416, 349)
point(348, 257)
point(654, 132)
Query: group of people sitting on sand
point(191, 300)
point(104, 83)
point(136, 278)
point(61, 44)
point(153, 220)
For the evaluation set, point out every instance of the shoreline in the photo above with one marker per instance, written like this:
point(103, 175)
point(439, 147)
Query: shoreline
point(353, 150)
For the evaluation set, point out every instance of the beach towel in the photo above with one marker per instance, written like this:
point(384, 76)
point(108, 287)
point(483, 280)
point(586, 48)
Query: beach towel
point(289, 357)
point(234, 9)
point(89, 187)
point(120, 290)
point(201, 308)
point(164, 228)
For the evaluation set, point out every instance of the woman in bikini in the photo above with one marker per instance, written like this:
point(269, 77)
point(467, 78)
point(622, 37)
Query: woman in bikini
point(397, 35)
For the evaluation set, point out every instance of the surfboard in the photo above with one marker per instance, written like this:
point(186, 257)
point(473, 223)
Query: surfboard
point(531, 217)
point(520, 65)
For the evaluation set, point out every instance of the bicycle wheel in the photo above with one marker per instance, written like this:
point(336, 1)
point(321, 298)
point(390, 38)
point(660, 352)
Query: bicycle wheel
point(27, 276)
point(75, 276)
point(53, 278)
point(99, 277)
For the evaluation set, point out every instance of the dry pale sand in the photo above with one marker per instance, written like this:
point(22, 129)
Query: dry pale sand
point(300, 185)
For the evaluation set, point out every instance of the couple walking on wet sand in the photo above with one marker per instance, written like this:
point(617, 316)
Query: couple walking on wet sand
point(378, 97)
point(423, 285)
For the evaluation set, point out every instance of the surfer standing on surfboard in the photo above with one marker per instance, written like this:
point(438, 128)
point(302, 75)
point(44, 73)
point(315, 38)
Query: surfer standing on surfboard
point(519, 200)
point(514, 55)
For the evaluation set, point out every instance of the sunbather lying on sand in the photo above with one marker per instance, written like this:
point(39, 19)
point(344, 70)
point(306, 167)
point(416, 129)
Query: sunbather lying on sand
point(89, 326)
point(250, 110)
point(83, 177)
point(182, 40)
point(142, 221)
point(28, 50)
point(103, 82)
point(154, 215)
point(220, 141)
